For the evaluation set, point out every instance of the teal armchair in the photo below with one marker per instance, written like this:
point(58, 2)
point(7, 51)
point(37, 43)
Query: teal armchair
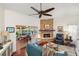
point(34, 50)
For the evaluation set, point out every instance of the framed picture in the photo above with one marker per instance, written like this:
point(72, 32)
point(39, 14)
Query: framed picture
point(10, 29)
point(47, 26)
point(60, 28)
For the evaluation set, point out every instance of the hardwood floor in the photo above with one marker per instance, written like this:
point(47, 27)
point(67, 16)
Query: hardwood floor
point(21, 43)
point(21, 48)
point(20, 52)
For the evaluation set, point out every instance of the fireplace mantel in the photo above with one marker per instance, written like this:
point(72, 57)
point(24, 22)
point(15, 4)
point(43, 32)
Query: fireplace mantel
point(47, 30)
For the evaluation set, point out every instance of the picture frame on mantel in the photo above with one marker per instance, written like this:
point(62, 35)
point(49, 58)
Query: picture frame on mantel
point(60, 28)
point(10, 29)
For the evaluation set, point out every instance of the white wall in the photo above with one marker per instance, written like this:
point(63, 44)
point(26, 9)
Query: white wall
point(13, 18)
point(1, 18)
point(1, 21)
point(78, 32)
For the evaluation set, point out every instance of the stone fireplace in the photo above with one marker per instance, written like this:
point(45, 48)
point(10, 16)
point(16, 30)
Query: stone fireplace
point(46, 28)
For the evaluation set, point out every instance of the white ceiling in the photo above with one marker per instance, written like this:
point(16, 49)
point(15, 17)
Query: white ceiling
point(62, 10)
point(25, 7)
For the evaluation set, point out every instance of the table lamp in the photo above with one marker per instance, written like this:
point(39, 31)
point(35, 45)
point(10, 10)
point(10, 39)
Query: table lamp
point(5, 35)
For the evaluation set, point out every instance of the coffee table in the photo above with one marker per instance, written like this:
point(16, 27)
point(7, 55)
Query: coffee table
point(52, 45)
point(55, 48)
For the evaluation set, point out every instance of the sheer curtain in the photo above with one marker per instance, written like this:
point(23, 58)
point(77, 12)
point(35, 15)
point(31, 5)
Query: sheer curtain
point(72, 29)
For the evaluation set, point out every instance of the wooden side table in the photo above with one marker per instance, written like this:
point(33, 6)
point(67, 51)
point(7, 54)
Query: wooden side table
point(43, 43)
point(66, 42)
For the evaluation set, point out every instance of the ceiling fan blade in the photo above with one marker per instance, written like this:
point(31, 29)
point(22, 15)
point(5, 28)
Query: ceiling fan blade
point(47, 14)
point(48, 10)
point(35, 9)
point(40, 15)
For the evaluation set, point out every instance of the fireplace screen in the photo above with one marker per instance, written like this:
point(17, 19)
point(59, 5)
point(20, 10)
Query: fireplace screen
point(46, 35)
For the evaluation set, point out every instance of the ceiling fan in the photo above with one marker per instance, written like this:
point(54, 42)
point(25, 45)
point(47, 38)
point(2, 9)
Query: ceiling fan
point(42, 12)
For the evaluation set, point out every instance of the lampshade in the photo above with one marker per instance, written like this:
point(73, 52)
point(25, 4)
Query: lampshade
point(66, 32)
point(4, 33)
